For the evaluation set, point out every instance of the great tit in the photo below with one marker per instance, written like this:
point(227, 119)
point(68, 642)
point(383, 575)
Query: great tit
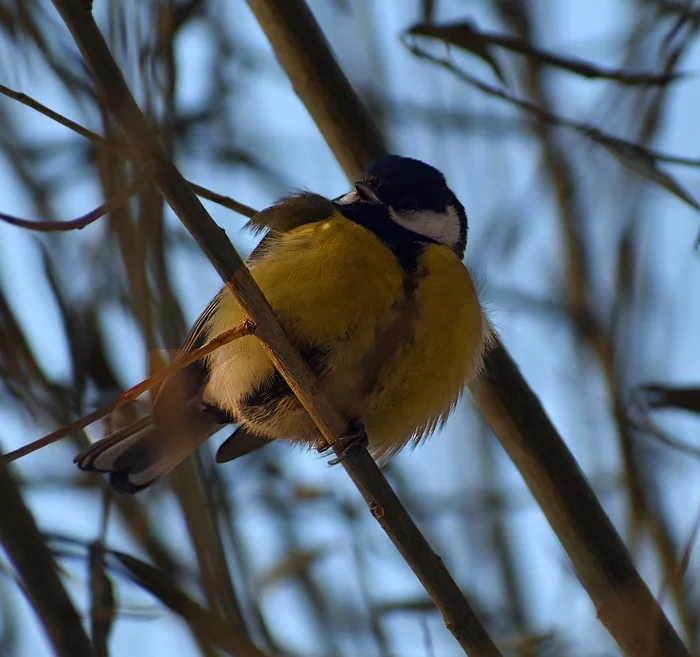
point(371, 289)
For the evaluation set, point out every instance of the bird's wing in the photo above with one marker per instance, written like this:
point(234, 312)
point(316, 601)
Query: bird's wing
point(283, 216)
point(292, 211)
point(287, 214)
point(197, 333)
point(138, 453)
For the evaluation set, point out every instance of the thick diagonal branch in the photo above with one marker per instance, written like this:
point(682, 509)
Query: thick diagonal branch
point(602, 562)
point(213, 241)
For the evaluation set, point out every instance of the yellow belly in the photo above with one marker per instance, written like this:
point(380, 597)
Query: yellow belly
point(423, 384)
point(335, 285)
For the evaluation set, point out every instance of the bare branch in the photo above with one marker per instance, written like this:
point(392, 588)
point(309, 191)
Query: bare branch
point(243, 329)
point(27, 551)
point(119, 199)
point(112, 146)
point(310, 64)
point(466, 35)
point(362, 469)
point(601, 560)
point(635, 157)
point(224, 201)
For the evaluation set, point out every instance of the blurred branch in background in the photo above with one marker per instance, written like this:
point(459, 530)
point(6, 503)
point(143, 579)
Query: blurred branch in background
point(637, 158)
point(623, 602)
point(583, 258)
point(38, 574)
point(119, 199)
point(385, 506)
point(222, 200)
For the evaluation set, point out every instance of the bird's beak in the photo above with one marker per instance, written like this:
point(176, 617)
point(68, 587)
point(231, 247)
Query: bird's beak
point(367, 194)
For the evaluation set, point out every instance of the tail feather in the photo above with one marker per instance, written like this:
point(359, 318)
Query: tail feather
point(101, 453)
point(136, 455)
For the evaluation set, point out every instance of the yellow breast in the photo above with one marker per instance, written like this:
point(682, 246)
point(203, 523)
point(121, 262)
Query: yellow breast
point(424, 382)
point(326, 281)
point(335, 285)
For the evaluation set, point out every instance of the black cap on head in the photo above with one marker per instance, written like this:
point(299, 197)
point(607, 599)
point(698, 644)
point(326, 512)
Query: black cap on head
point(410, 186)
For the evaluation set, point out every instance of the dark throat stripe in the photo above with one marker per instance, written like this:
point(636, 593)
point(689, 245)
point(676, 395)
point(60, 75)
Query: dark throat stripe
point(406, 245)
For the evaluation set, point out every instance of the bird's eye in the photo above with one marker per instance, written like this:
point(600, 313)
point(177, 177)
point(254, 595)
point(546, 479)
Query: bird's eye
point(407, 205)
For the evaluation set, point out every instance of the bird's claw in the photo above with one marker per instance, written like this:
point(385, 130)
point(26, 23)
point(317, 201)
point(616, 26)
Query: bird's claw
point(350, 444)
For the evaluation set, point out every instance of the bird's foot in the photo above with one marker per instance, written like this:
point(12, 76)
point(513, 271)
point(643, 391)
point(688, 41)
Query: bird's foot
point(350, 444)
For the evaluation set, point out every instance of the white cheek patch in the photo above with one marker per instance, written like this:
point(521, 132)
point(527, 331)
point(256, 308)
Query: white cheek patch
point(443, 227)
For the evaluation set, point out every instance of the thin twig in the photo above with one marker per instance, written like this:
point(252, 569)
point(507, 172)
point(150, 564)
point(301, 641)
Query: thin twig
point(673, 579)
point(544, 115)
point(600, 558)
point(114, 147)
point(632, 155)
point(382, 500)
point(102, 142)
point(244, 328)
point(224, 201)
point(466, 35)
point(121, 197)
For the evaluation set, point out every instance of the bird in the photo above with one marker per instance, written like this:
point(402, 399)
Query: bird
point(371, 288)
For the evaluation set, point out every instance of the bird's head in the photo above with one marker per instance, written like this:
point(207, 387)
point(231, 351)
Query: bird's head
point(415, 195)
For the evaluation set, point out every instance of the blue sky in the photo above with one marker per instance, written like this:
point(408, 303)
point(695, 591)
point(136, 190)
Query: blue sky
point(497, 176)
